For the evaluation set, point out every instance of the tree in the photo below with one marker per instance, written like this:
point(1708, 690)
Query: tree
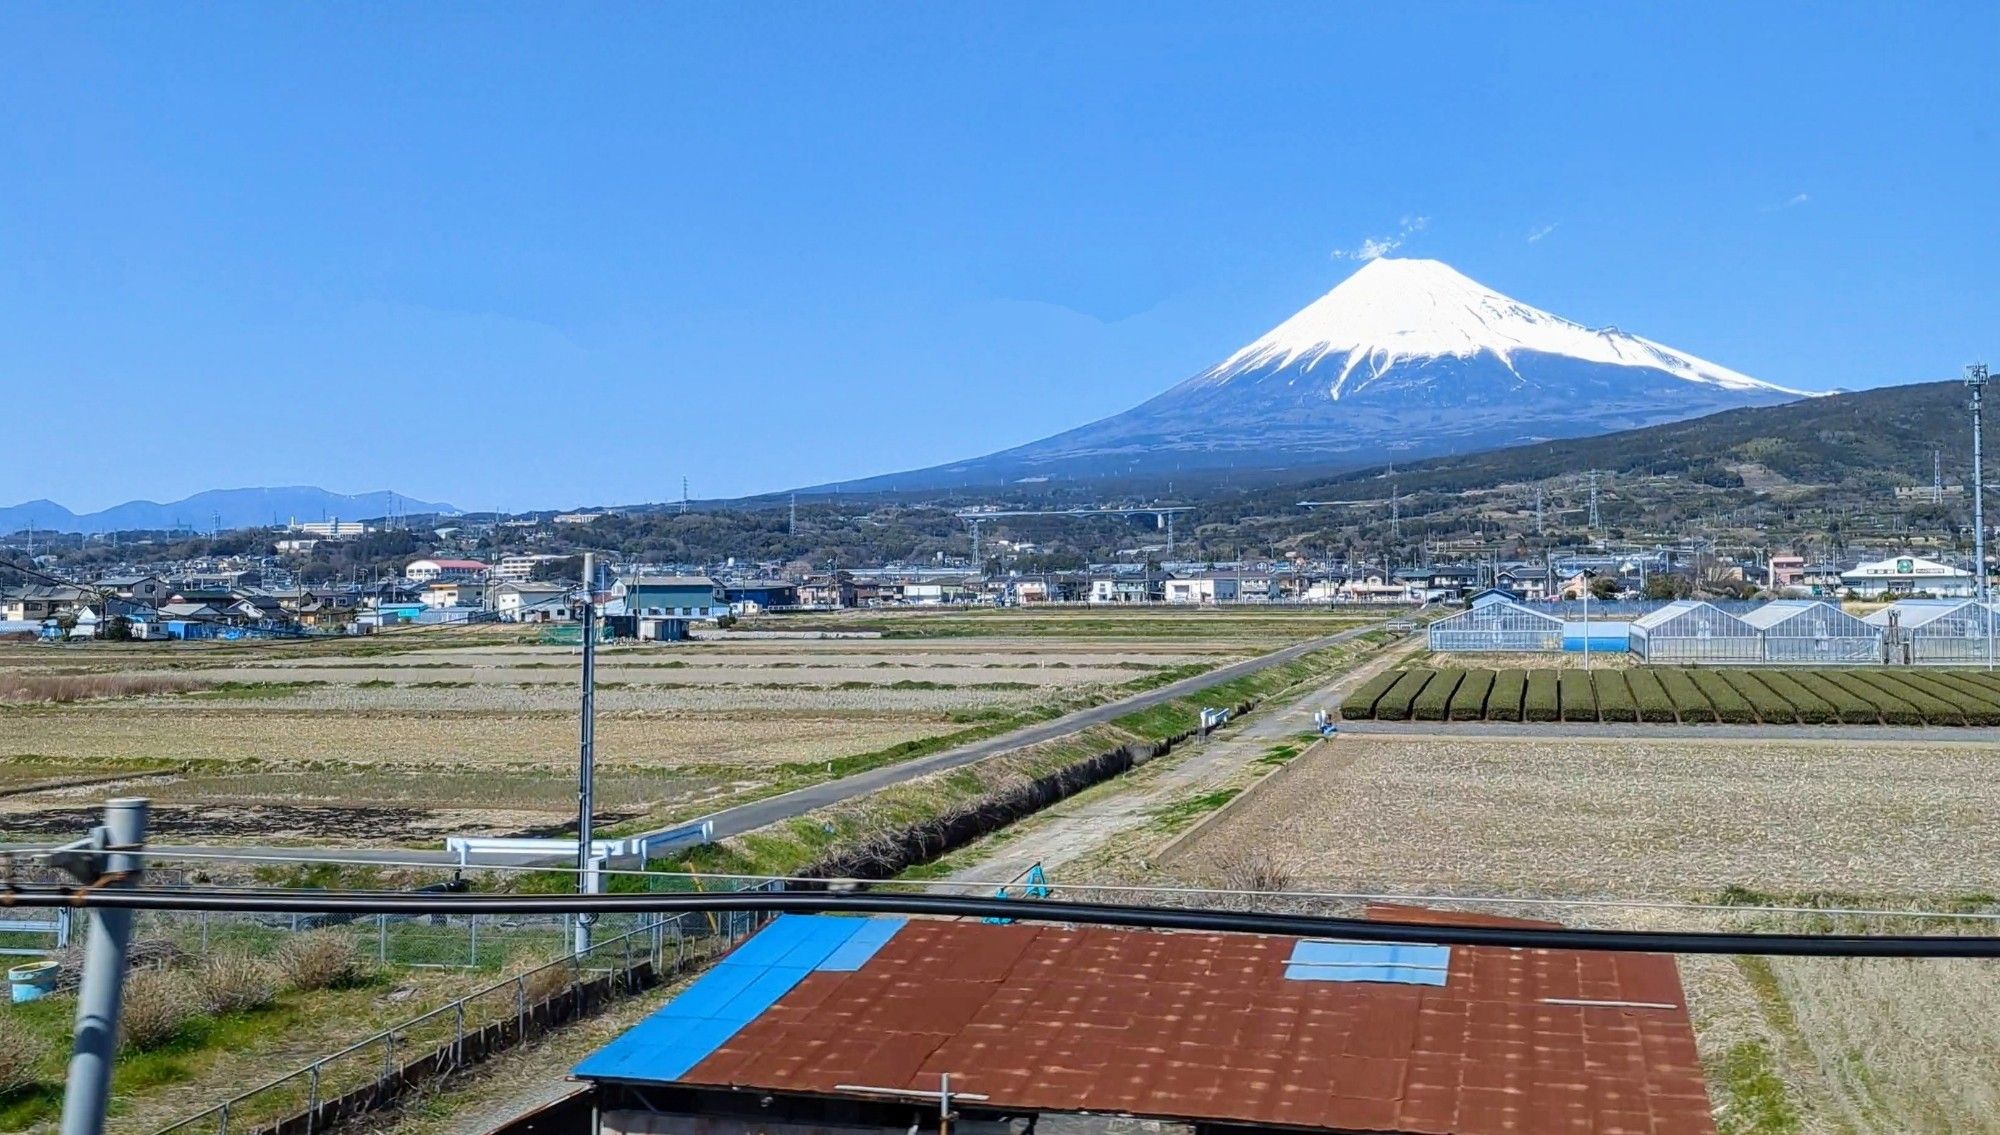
point(1604, 587)
point(117, 628)
point(1665, 586)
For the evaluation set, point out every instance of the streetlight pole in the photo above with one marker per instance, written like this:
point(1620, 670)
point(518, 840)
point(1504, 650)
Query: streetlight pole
point(1975, 381)
point(586, 772)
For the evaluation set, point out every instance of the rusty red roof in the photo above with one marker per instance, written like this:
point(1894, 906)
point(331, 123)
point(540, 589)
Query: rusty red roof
point(1197, 1026)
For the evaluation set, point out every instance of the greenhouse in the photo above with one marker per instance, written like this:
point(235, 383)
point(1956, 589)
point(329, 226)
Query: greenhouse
point(1938, 632)
point(1499, 625)
point(1689, 630)
point(1808, 630)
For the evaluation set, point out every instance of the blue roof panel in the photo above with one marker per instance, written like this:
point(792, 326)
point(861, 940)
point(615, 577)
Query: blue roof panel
point(1397, 962)
point(751, 979)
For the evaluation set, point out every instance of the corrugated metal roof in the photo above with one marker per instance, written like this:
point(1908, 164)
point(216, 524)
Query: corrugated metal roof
point(1207, 1027)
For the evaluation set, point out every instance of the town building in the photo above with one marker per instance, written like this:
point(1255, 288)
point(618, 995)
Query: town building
point(440, 593)
point(1908, 575)
point(1785, 571)
point(531, 602)
point(521, 568)
point(426, 571)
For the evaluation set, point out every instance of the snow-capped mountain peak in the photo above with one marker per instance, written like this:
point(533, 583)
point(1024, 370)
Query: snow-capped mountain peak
point(1395, 310)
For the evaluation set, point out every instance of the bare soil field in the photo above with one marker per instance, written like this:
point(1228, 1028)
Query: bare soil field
point(1628, 818)
point(408, 736)
point(1810, 1045)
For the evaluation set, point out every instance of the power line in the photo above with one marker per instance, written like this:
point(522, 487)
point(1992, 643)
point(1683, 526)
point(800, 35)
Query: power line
point(1036, 910)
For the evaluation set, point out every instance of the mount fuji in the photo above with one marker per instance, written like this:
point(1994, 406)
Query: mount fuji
point(1405, 358)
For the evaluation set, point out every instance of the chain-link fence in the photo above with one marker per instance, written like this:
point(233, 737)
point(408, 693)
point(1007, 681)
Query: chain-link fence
point(629, 954)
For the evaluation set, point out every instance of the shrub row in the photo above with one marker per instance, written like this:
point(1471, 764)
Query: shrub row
point(1651, 697)
point(1395, 705)
point(1360, 705)
point(1435, 700)
point(1509, 688)
point(1731, 708)
point(1543, 702)
point(1469, 703)
point(1579, 700)
point(1614, 697)
point(1732, 695)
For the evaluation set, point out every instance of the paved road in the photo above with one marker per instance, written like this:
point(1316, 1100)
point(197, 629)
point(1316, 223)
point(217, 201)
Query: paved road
point(771, 810)
point(1661, 732)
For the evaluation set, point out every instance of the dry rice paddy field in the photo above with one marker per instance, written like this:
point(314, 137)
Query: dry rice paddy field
point(407, 738)
point(1791, 1045)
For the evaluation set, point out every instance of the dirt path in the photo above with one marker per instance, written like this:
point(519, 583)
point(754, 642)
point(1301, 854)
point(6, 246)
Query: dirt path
point(1135, 814)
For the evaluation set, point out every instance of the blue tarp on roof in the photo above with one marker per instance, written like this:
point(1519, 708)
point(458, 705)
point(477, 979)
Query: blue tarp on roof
point(754, 976)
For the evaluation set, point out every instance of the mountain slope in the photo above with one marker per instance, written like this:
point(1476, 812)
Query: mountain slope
point(1405, 358)
point(237, 508)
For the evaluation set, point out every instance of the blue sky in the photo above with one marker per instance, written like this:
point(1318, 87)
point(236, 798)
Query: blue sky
point(544, 256)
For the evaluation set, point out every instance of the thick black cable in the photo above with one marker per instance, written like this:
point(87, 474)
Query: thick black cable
point(1035, 910)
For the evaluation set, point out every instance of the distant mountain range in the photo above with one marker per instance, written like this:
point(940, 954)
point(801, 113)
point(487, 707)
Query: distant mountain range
point(226, 508)
point(1404, 359)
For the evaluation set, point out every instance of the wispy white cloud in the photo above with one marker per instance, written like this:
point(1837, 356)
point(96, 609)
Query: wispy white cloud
point(1792, 202)
point(1375, 247)
point(1540, 231)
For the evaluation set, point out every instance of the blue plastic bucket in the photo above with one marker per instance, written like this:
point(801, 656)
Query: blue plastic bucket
point(33, 981)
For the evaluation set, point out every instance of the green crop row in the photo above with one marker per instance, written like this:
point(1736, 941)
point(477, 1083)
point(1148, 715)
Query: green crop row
point(1729, 695)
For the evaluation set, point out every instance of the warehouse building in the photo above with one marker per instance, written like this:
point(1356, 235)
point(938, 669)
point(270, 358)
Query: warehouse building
point(1908, 575)
point(1689, 630)
point(1809, 630)
point(876, 1026)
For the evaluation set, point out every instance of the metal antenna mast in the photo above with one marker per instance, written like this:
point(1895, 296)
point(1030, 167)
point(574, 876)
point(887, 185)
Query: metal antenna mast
point(1395, 512)
point(792, 525)
point(1541, 529)
point(1937, 476)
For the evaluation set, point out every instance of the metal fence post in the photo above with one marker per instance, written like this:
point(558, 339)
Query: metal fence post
point(312, 1098)
point(388, 1057)
point(222, 1120)
point(382, 938)
point(521, 1008)
point(458, 1046)
point(473, 921)
point(110, 858)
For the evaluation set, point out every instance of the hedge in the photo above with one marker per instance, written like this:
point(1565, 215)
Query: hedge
point(1509, 688)
point(1977, 704)
point(1469, 703)
point(1542, 702)
point(1395, 705)
point(1849, 707)
point(1936, 710)
point(1731, 708)
point(1771, 708)
point(1435, 700)
point(1614, 697)
point(1651, 697)
point(1579, 697)
point(1810, 707)
point(1360, 705)
point(1892, 709)
point(1686, 696)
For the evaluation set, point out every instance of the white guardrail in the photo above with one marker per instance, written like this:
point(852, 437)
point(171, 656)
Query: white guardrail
point(476, 850)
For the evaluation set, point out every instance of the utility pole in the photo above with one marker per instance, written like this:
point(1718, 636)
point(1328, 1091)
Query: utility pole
point(110, 857)
point(1975, 380)
point(586, 771)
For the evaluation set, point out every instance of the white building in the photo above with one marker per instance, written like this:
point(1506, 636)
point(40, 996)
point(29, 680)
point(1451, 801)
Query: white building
point(1905, 575)
point(519, 569)
point(531, 602)
point(424, 571)
point(440, 593)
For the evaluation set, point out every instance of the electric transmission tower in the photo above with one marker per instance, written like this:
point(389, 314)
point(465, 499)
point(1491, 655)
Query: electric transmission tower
point(1593, 500)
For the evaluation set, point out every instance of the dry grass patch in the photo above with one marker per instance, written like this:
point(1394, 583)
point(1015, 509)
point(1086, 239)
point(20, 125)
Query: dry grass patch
point(57, 689)
point(1595, 816)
